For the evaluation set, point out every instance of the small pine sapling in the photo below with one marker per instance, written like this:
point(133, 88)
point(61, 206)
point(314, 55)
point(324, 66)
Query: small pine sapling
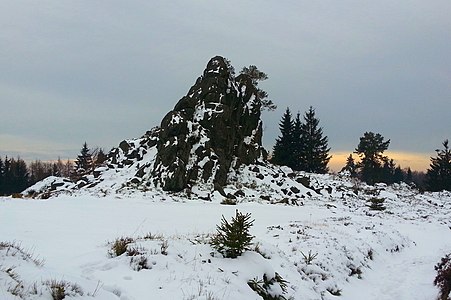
point(232, 239)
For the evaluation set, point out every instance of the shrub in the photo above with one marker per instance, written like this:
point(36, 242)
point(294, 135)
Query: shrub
point(443, 278)
point(264, 287)
point(119, 246)
point(232, 239)
point(60, 289)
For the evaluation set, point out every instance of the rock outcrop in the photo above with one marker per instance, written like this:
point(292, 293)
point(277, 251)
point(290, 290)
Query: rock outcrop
point(216, 127)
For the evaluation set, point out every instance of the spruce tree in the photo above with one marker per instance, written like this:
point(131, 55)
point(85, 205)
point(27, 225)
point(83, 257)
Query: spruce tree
point(388, 171)
point(350, 166)
point(2, 172)
point(232, 239)
point(99, 157)
point(438, 175)
point(370, 149)
point(398, 175)
point(20, 176)
point(83, 163)
point(314, 152)
point(297, 143)
point(283, 149)
point(7, 176)
point(409, 176)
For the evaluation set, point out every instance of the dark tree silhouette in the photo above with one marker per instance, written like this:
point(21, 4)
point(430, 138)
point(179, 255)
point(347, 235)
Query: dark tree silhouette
point(283, 149)
point(370, 150)
point(83, 163)
point(256, 76)
point(438, 175)
point(350, 166)
point(314, 152)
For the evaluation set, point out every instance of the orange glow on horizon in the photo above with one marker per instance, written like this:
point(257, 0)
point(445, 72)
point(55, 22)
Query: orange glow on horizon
point(416, 161)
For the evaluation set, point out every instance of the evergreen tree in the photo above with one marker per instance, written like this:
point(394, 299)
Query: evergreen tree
point(99, 157)
point(297, 142)
point(314, 152)
point(283, 149)
point(370, 150)
point(233, 238)
point(256, 76)
point(7, 176)
point(409, 176)
point(20, 176)
point(350, 166)
point(83, 163)
point(438, 175)
point(14, 176)
point(2, 177)
point(398, 175)
point(388, 171)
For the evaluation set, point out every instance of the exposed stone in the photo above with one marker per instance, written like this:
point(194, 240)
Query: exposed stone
point(215, 127)
point(265, 197)
point(294, 190)
point(305, 181)
point(239, 193)
point(124, 146)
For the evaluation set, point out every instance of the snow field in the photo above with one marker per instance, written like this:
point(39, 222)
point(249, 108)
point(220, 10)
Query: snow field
point(322, 249)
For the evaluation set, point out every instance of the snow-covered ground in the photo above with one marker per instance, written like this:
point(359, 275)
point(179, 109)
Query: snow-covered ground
point(355, 252)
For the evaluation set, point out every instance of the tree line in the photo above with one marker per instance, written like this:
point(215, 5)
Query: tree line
point(302, 146)
point(16, 175)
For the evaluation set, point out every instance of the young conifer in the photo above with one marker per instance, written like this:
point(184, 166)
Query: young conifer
point(232, 239)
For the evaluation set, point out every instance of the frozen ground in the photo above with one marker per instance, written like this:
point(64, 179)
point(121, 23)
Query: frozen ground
point(358, 253)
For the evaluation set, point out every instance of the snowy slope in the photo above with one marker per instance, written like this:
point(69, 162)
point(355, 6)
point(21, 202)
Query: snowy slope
point(355, 252)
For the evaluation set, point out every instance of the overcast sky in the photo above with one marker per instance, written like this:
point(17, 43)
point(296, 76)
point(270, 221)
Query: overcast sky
point(104, 71)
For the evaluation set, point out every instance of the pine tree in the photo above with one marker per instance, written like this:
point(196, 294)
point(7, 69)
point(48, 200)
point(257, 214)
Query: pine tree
point(297, 143)
point(283, 149)
point(438, 175)
point(99, 157)
point(7, 176)
point(314, 152)
point(256, 76)
point(350, 166)
point(233, 238)
point(388, 171)
point(398, 175)
point(20, 176)
point(370, 150)
point(409, 176)
point(2, 177)
point(83, 163)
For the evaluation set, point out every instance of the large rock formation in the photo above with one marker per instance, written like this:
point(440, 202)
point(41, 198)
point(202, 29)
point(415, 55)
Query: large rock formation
point(214, 128)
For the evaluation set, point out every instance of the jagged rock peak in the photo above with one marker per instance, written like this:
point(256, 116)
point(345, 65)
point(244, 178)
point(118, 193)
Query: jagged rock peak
point(216, 127)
